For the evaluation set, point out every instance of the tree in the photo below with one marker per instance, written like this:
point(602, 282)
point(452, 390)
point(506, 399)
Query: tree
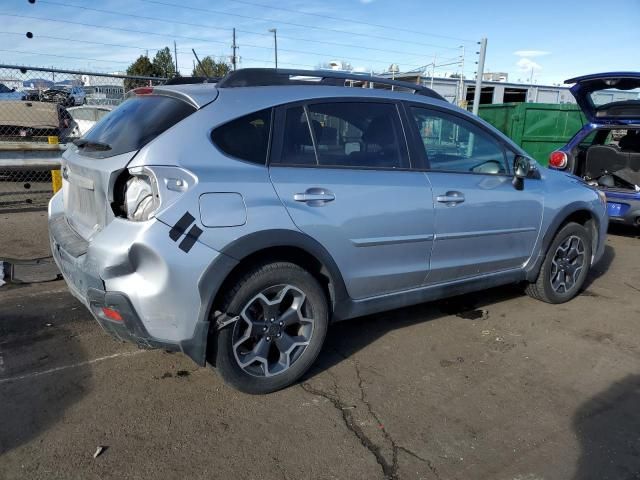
point(142, 67)
point(163, 63)
point(208, 67)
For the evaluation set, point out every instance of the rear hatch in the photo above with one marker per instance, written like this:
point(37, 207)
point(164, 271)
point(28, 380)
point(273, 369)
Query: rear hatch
point(608, 97)
point(91, 166)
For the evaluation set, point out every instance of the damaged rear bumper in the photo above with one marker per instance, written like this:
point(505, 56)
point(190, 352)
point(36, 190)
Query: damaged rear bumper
point(163, 294)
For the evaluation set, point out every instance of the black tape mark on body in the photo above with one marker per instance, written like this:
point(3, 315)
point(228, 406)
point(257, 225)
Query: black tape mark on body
point(181, 226)
point(190, 239)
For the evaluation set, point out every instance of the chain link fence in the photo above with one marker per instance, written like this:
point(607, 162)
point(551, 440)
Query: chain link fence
point(42, 109)
point(22, 189)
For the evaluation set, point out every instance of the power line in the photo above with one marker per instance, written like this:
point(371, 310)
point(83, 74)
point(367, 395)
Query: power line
point(63, 56)
point(218, 12)
point(129, 30)
point(349, 45)
point(194, 25)
point(201, 40)
point(360, 22)
point(75, 40)
point(299, 39)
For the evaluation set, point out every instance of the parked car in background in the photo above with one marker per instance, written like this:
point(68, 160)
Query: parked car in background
point(57, 95)
point(76, 92)
point(87, 116)
point(234, 221)
point(7, 93)
point(606, 151)
point(25, 120)
point(65, 95)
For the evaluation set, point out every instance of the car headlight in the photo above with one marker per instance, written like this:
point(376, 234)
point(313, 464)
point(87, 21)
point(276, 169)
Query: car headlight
point(141, 199)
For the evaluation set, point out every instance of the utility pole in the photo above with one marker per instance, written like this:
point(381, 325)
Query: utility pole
point(234, 47)
point(275, 43)
point(479, 74)
point(433, 70)
point(461, 78)
point(175, 57)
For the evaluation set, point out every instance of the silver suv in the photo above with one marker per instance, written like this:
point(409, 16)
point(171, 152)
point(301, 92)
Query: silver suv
point(234, 221)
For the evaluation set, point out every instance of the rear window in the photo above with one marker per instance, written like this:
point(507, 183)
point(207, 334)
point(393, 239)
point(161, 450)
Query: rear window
point(134, 124)
point(612, 95)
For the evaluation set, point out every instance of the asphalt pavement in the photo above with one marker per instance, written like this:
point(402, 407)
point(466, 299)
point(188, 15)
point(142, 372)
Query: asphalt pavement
point(493, 385)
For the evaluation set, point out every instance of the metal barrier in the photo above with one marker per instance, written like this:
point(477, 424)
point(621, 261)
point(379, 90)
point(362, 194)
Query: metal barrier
point(25, 188)
point(42, 109)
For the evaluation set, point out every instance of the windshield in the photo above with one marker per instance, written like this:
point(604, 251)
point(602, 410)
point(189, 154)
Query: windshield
point(133, 124)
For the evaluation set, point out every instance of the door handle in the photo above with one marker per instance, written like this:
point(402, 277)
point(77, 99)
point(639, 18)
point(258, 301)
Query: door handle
point(451, 198)
point(315, 196)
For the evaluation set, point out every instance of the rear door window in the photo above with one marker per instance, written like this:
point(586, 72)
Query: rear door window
point(133, 124)
point(344, 134)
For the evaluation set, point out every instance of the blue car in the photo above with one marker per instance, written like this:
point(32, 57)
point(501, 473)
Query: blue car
point(606, 151)
point(7, 93)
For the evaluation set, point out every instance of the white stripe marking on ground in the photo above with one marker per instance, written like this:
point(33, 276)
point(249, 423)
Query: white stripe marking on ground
point(66, 367)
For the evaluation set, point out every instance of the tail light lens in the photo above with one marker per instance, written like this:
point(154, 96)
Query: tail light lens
point(558, 159)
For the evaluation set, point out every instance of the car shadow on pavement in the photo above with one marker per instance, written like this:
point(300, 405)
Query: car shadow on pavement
point(608, 427)
point(36, 385)
point(601, 267)
point(624, 230)
point(346, 338)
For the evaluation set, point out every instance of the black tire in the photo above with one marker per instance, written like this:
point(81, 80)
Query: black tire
point(543, 289)
point(266, 278)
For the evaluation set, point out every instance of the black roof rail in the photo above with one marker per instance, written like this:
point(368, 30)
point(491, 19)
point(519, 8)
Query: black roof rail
point(263, 77)
point(190, 80)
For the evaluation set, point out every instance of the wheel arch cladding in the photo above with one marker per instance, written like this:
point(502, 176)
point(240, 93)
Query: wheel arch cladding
point(576, 212)
point(285, 245)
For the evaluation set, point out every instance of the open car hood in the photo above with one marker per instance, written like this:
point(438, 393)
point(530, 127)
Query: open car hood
point(622, 108)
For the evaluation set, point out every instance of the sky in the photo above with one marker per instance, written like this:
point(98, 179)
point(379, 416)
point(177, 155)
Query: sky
point(544, 41)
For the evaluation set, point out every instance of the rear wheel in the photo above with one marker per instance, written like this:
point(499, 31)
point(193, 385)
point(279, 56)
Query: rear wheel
point(283, 322)
point(565, 266)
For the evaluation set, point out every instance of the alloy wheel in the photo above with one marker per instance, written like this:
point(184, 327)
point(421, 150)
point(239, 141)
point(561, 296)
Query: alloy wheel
point(567, 264)
point(274, 329)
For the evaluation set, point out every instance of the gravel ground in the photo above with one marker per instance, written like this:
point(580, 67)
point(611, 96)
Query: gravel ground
point(492, 385)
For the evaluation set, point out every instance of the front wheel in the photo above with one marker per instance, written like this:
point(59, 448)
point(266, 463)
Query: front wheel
point(565, 266)
point(283, 323)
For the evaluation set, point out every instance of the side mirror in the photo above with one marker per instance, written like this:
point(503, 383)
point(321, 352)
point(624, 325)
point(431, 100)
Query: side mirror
point(521, 167)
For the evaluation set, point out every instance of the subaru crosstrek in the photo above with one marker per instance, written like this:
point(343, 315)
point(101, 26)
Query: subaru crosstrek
point(234, 221)
point(605, 152)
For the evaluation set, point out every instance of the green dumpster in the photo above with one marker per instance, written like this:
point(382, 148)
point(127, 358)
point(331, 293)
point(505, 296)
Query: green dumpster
point(539, 128)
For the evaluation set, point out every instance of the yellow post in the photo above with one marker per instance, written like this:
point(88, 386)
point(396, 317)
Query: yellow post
point(56, 180)
point(56, 177)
